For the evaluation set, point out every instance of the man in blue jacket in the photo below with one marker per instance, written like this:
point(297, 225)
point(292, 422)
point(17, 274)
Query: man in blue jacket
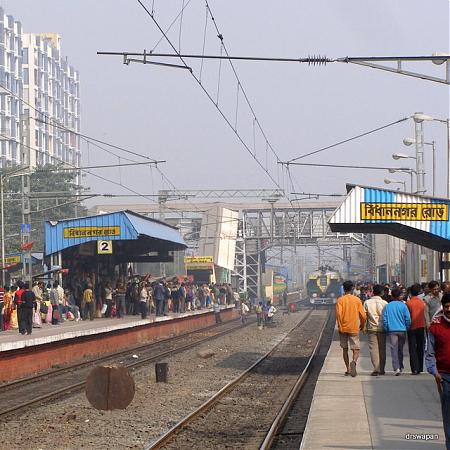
point(396, 321)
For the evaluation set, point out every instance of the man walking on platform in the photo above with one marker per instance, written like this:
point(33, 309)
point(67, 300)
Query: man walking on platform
point(437, 360)
point(27, 307)
point(158, 294)
point(374, 307)
point(416, 332)
point(432, 301)
point(18, 304)
point(351, 318)
point(396, 321)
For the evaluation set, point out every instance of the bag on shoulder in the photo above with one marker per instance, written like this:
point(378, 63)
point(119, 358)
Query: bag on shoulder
point(43, 308)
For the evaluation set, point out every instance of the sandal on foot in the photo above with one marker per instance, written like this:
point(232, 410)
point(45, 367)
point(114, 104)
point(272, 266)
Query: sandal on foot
point(353, 369)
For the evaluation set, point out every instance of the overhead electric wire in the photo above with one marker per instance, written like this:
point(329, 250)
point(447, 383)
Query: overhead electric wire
point(311, 59)
point(103, 178)
point(317, 194)
point(104, 166)
point(347, 166)
point(240, 84)
point(55, 124)
point(208, 94)
point(94, 142)
point(366, 133)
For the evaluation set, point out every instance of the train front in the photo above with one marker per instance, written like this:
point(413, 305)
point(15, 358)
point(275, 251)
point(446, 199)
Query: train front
point(324, 287)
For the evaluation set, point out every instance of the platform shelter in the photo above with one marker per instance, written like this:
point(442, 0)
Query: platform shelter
point(101, 246)
point(414, 218)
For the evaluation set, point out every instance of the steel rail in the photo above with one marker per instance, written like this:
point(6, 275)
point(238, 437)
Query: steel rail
point(298, 386)
point(78, 386)
point(68, 368)
point(172, 432)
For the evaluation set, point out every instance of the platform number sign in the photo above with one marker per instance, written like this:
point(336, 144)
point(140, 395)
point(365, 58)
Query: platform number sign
point(104, 247)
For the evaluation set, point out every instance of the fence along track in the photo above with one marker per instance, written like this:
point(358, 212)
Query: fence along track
point(171, 434)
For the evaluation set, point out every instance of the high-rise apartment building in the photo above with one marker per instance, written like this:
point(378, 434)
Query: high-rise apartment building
point(11, 89)
point(51, 86)
point(39, 99)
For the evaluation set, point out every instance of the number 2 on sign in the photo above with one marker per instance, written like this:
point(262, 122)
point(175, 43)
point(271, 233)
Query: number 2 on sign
point(104, 247)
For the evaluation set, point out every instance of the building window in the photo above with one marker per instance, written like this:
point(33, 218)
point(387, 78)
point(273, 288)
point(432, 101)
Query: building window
point(25, 56)
point(26, 76)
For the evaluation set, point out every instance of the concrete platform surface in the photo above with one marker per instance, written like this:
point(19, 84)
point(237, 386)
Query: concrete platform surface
point(12, 340)
point(365, 412)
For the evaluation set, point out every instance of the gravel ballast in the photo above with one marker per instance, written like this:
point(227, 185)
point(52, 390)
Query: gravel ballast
point(72, 423)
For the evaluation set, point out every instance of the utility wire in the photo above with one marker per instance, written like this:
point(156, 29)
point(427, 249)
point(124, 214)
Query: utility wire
point(220, 35)
point(208, 94)
point(314, 60)
point(366, 133)
point(345, 166)
point(65, 128)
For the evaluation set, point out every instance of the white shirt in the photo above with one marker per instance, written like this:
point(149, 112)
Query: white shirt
point(374, 308)
point(144, 295)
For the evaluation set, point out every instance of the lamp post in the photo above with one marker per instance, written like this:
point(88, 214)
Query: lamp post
point(420, 117)
point(389, 181)
point(408, 171)
point(398, 156)
point(410, 141)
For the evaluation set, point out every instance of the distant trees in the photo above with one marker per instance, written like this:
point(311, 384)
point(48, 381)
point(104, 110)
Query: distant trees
point(59, 189)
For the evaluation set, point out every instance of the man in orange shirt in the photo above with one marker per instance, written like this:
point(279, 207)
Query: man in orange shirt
point(351, 318)
point(416, 332)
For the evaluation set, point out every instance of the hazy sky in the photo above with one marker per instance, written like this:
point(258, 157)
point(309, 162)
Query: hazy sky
point(163, 113)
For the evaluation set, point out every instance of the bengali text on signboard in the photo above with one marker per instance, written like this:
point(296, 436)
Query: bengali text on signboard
point(404, 211)
point(88, 232)
point(198, 260)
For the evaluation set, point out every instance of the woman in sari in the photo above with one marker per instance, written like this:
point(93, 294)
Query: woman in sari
point(7, 309)
point(14, 324)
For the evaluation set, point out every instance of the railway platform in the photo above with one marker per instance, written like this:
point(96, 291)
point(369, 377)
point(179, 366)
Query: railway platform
point(380, 413)
point(22, 355)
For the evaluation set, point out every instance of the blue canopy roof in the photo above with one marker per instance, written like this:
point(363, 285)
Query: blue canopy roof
point(118, 226)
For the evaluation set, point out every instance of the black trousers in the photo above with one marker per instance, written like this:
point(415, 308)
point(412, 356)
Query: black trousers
point(416, 345)
point(144, 309)
point(25, 320)
point(159, 306)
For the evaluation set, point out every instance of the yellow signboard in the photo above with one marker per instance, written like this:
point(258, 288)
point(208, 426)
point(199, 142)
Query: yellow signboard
point(104, 247)
point(404, 211)
point(12, 260)
point(198, 260)
point(201, 267)
point(93, 231)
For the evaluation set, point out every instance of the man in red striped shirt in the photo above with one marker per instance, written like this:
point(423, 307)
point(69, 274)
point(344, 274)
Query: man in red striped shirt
point(416, 332)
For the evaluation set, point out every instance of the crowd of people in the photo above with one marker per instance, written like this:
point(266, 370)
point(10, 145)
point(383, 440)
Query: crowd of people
point(419, 314)
point(23, 307)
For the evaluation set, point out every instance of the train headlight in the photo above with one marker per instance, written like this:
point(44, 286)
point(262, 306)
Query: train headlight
point(334, 301)
point(314, 295)
point(311, 300)
point(332, 295)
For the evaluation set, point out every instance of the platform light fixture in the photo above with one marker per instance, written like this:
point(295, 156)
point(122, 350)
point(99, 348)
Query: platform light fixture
point(390, 181)
point(397, 156)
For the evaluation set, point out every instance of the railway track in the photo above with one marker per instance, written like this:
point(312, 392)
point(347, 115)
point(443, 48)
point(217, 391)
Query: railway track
point(289, 425)
point(239, 415)
point(21, 394)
